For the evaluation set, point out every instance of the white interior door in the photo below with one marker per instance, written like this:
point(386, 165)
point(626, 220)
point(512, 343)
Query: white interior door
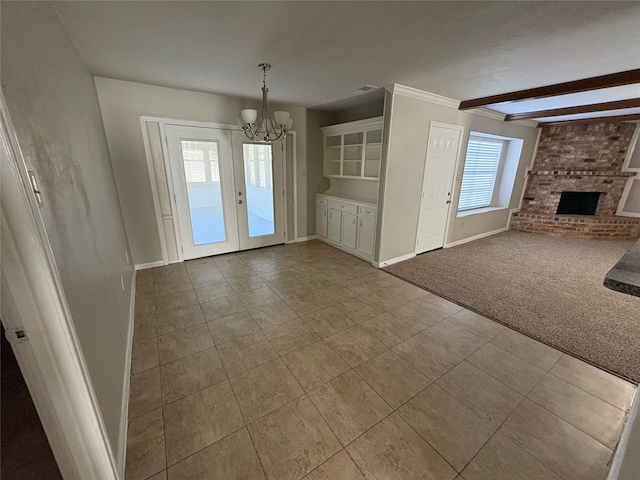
point(442, 151)
point(229, 192)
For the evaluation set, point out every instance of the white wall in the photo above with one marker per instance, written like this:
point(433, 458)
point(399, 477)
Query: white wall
point(408, 125)
point(53, 104)
point(122, 103)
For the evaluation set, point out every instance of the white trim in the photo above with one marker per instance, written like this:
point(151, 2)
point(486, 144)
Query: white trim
point(475, 237)
point(635, 143)
point(623, 455)
point(294, 175)
point(477, 211)
point(623, 200)
point(33, 281)
point(124, 415)
point(511, 212)
point(384, 169)
point(487, 112)
point(411, 92)
point(144, 266)
point(526, 123)
point(373, 123)
point(189, 123)
point(391, 261)
point(305, 239)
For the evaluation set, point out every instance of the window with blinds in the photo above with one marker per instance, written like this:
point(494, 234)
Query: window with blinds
point(480, 170)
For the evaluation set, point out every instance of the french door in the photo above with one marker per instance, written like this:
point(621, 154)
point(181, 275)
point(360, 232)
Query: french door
point(228, 191)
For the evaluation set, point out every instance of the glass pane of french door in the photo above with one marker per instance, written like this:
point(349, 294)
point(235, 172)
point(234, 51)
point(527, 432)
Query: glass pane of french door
point(204, 193)
point(258, 178)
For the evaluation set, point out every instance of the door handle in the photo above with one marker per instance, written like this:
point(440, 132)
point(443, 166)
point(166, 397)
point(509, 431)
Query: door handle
point(240, 201)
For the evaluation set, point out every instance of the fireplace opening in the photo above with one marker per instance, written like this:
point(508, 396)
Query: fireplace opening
point(578, 203)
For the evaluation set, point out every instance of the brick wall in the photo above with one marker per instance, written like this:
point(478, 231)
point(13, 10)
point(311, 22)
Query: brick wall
point(578, 158)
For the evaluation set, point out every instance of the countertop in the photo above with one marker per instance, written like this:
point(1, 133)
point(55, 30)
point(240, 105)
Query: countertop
point(351, 198)
point(625, 275)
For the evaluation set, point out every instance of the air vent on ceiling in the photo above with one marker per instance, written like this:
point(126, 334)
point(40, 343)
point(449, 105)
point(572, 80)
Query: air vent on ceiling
point(365, 89)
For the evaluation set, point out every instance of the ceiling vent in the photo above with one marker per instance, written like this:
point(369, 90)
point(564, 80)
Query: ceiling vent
point(365, 89)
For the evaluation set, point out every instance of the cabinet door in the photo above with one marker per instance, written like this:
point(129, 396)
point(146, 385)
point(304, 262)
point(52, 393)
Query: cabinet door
point(366, 235)
point(322, 219)
point(334, 226)
point(349, 230)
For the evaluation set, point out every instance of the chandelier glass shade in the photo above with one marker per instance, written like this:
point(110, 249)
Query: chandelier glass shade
point(263, 127)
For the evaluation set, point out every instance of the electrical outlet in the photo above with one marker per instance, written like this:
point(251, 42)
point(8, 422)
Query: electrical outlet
point(122, 282)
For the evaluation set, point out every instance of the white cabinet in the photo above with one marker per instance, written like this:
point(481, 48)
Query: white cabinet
point(352, 150)
point(347, 225)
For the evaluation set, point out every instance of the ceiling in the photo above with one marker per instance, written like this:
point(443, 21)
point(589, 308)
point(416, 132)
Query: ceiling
point(321, 52)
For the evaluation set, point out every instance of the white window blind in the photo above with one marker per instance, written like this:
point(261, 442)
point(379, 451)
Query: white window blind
point(480, 170)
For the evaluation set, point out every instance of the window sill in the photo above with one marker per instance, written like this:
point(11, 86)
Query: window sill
point(477, 211)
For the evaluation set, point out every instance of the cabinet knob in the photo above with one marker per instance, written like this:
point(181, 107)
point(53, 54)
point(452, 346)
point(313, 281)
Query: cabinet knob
point(353, 221)
point(361, 223)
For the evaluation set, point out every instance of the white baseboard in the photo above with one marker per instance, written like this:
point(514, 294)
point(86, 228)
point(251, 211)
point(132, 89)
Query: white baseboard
point(121, 454)
point(625, 459)
point(475, 237)
point(144, 266)
point(391, 261)
point(305, 239)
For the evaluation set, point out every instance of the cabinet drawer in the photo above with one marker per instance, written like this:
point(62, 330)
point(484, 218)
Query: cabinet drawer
point(362, 210)
point(343, 206)
point(321, 200)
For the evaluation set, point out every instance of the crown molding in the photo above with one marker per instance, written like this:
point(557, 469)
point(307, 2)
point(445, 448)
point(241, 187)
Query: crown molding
point(422, 95)
point(526, 123)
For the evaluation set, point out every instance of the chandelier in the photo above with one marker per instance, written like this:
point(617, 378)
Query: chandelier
point(264, 128)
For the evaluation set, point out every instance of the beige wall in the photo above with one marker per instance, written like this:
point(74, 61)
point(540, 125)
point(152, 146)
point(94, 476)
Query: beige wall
point(122, 103)
point(407, 145)
point(54, 107)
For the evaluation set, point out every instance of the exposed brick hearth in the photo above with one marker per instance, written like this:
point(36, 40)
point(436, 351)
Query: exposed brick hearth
point(578, 158)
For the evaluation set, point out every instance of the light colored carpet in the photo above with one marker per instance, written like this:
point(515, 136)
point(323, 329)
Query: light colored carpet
point(547, 288)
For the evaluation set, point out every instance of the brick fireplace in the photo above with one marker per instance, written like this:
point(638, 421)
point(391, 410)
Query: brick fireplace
point(580, 165)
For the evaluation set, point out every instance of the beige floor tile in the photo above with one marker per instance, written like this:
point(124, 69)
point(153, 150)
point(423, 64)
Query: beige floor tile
point(145, 392)
point(340, 273)
point(394, 379)
point(292, 440)
point(415, 316)
point(315, 364)
point(244, 353)
point(232, 458)
point(145, 326)
point(144, 354)
point(477, 324)
point(173, 301)
point(305, 303)
point(408, 291)
point(247, 284)
point(184, 342)
point(431, 358)
point(454, 338)
point(509, 369)
point(208, 280)
point(145, 446)
point(227, 328)
point(173, 285)
point(214, 292)
point(385, 299)
point(320, 281)
point(145, 304)
point(290, 287)
point(199, 420)
point(264, 267)
point(261, 296)
point(452, 429)
point(201, 266)
point(355, 345)
point(528, 349)
point(336, 294)
point(340, 466)
point(359, 309)
point(588, 413)
point(481, 393)
point(392, 450)
point(501, 459)
point(385, 279)
point(327, 322)
point(179, 319)
point(438, 305)
point(222, 307)
point(272, 314)
point(291, 335)
point(276, 276)
point(144, 281)
point(159, 476)
point(389, 329)
point(169, 271)
point(603, 385)
point(561, 447)
point(232, 273)
point(190, 374)
point(349, 405)
point(362, 285)
point(264, 389)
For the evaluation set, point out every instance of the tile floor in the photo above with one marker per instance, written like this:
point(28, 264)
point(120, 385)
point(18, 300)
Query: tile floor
point(301, 361)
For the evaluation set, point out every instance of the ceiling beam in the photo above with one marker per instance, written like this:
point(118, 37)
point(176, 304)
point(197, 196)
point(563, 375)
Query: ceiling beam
point(576, 86)
point(595, 107)
point(613, 119)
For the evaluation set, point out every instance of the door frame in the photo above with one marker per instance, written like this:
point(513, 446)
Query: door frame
point(162, 236)
point(51, 359)
point(454, 184)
